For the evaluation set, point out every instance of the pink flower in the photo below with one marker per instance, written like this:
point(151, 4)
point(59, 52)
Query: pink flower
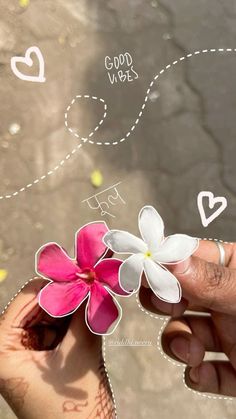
point(90, 275)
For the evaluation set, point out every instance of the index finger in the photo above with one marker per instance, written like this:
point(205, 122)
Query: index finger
point(209, 252)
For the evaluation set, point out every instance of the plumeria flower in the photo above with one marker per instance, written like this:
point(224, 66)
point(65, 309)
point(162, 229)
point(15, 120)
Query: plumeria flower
point(150, 254)
point(90, 275)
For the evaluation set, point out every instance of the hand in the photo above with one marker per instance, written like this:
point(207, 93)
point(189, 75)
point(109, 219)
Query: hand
point(209, 295)
point(49, 367)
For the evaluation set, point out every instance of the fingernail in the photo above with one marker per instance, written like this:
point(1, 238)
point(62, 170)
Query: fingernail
point(161, 306)
point(194, 375)
point(144, 282)
point(180, 348)
point(182, 267)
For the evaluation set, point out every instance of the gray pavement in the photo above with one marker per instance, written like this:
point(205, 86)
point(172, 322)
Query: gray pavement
point(184, 143)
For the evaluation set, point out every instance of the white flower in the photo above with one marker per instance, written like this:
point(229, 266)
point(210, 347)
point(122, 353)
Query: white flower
point(150, 254)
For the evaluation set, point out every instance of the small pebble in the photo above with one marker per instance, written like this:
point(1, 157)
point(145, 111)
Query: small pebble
point(166, 36)
point(154, 3)
point(10, 251)
point(14, 128)
point(62, 39)
point(153, 96)
point(4, 144)
point(39, 226)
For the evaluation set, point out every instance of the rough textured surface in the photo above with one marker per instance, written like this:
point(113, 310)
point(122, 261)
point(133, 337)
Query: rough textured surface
point(184, 143)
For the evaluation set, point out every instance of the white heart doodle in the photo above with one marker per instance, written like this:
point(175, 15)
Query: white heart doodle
point(28, 61)
point(212, 202)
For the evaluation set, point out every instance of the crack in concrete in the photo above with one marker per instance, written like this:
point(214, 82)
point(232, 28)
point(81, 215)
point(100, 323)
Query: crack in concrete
point(202, 108)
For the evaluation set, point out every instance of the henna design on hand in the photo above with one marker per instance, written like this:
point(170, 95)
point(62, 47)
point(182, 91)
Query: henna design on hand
point(32, 336)
point(70, 406)
point(40, 331)
point(14, 391)
point(32, 340)
point(2, 319)
point(104, 407)
point(103, 402)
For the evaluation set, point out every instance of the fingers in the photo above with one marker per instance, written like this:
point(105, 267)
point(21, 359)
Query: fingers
point(202, 280)
point(188, 338)
point(153, 304)
point(216, 377)
point(209, 252)
point(207, 284)
point(42, 331)
point(24, 303)
point(25, 325)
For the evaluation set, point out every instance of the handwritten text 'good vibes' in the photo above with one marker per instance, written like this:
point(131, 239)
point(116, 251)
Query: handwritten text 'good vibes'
point(120, 68)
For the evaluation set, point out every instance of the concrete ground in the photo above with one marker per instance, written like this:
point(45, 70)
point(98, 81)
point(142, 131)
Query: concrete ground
point(184, 143)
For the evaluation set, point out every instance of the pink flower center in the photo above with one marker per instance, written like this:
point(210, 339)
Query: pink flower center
point(87, 275)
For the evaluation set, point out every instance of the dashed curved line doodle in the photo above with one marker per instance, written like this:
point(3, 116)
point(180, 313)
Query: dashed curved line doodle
point(160, 73)
point(127, 135)
point(215, 240)
point(100, 122)
point(49, 173)
point(108, 378)
point(165, 321)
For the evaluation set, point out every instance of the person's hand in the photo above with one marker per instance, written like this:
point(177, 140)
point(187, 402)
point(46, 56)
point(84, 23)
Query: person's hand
point(51, 368)
point(209, 292)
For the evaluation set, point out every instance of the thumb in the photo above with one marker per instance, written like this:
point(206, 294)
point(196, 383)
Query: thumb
point(207, 284)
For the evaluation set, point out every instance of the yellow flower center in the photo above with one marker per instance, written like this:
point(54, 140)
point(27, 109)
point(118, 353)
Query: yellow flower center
point(148, 254)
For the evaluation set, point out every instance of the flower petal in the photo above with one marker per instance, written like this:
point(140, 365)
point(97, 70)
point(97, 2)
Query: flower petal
point(131, 272)
point(103, 312)
point(123, 242)
point(54, 263)
point(176, 248)
point(151, 227)
point(162, 282)
point(89, 245)
point(107, 271)
point(60, 299)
